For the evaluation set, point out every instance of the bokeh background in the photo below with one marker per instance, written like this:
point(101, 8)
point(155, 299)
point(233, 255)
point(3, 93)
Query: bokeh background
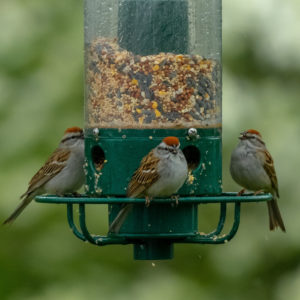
point(41, 93)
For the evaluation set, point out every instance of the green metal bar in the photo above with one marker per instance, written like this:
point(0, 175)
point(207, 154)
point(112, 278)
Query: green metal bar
point(83, 225)
point(221, 222)
point(235, 226)
point(71, 222)
point(210, 238)
point(223, 198)
point(96, 239)
point(201, 239)
point(135, 236)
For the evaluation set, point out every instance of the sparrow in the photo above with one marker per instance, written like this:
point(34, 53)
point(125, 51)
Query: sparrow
point(252, 167)
point(62, 173)
point(161, 173)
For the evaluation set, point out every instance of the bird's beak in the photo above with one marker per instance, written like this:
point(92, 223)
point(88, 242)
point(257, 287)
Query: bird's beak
point(174, 150)
point(242, 136)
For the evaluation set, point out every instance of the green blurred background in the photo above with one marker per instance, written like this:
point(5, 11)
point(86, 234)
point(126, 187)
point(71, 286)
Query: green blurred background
point(41, 93)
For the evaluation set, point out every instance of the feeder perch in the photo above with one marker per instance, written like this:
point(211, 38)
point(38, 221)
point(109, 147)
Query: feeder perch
point(153, 69)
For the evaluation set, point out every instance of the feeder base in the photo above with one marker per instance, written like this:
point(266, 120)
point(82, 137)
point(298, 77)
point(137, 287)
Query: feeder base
point(153, 250)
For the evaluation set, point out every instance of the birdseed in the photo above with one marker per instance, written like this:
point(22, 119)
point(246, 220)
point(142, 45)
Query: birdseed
point(165, 90)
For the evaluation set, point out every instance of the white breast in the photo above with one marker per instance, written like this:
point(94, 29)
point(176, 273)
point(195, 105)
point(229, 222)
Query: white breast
point(173, 173)
point(247, 169)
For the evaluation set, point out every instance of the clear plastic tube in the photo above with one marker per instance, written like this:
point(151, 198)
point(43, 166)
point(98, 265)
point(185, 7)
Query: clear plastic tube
point(153, 63)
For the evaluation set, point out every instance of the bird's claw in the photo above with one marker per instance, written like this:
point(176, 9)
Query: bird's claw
point(258, 192)
point(147, 201)
point(176, 199)
point(75, 194)
point(241, 192)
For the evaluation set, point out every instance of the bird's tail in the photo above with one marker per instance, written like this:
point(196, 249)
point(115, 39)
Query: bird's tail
point(275, 219)
point(20, 208)
point(120, 218)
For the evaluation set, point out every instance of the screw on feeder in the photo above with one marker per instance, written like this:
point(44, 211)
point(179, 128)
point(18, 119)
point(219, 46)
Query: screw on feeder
point(96, 131)
point(192, 133)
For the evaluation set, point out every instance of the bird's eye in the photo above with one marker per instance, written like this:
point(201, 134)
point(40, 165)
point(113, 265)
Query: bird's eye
point(162, 148)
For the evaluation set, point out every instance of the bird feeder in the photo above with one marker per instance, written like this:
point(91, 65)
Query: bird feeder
point(153, 69)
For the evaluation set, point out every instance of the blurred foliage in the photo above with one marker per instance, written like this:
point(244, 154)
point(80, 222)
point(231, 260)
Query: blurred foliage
point(41, 84)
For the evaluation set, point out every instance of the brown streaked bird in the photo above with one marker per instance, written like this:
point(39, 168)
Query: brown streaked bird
point(62, 173)
point(252, 167)
point(161, 173)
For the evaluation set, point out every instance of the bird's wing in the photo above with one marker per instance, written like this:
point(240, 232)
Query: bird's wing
point(144, 176)
point(268, 165)
point(55, 163)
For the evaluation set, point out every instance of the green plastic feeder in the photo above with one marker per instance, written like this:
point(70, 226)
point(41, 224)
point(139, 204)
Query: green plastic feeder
point(153, 69)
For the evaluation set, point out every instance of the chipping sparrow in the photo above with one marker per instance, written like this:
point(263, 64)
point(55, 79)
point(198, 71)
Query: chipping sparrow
point(161, 173)
point(252, 167)
point(62, 173)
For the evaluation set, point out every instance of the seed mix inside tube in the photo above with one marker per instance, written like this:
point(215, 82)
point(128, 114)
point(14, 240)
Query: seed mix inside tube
point(165, 90)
